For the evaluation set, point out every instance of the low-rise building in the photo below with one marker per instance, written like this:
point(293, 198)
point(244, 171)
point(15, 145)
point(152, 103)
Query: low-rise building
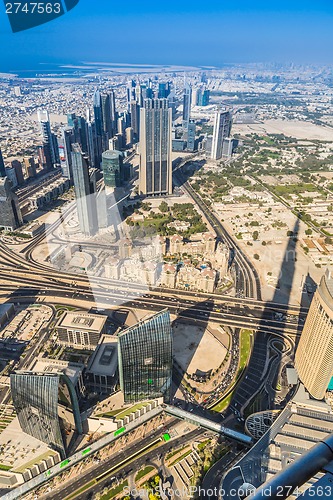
point(80, 330)
point(101, 373)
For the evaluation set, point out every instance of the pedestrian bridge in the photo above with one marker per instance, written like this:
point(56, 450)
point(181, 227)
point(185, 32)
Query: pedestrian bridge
point(208, 424)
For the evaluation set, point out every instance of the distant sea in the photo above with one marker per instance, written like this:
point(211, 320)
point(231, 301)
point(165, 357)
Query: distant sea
point(70, 69)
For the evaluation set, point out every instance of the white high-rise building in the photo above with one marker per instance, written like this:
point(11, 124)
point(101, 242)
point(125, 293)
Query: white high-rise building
point(222, 129)
point(314, 355)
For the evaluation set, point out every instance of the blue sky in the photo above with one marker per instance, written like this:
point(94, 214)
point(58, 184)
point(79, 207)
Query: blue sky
point(186, 32)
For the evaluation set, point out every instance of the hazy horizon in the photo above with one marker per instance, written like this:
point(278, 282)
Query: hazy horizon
point(176, 34)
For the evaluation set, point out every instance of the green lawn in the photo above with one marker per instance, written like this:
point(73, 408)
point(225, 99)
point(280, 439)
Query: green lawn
point(245, 349)
point(202, 445)
point(268, 140)
point(173, 453)
point(222, 405)
point(130, 410)
point(121, 413)
point(4, 467)
point(144, 472)
point(188, 452)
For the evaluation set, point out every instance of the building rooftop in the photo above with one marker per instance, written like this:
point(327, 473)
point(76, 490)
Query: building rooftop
point(111, 154)
point(48, 365)
point(104, 360)
point(18, 449)
point(4, 308)
point(82, 321)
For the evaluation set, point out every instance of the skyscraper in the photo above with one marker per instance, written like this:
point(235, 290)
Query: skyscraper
point(112, 166)
point(36, 401)
point(17, 166)
point(314, 355)
point(68, 139)
point(91, 140)
point(30, 166)
point(187, 97)
point(163, 90)
point(227, 147)
point(190, 136)
point(10, 213)
point(130, 94)
point(2, 166)
point(202, 97)
point(84, 192)
point(98, 128)
point(50, 146)
point(222, 129)
point(135, 119)
point(155, 176)
point(138, 95)
point(108, 115)
point(98, 113)
point(145, 358)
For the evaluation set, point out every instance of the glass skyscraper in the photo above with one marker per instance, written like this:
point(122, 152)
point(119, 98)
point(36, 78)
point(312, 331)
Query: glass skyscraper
point(2, 166)
point(50, 143)
point(112, 166)
point(85, 195)
point(145, 359)
point(35, 397)
point(155, 148)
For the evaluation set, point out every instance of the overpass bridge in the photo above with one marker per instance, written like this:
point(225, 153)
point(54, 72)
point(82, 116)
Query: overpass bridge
point(208, 424)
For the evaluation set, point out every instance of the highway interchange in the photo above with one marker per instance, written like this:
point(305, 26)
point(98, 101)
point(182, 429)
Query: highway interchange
point(23, 279)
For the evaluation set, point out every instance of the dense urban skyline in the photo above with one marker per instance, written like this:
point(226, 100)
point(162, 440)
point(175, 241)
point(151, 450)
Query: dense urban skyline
point(166, 252)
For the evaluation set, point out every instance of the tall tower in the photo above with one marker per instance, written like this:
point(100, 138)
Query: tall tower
point(130, 94)
point(10, 213)
point(38, 398)
point(190, 136)
point(187, 97)
point(155, 148)
point(135, 119)
point(145, 358)
point(98, 127)
point(222, 129)
point(108, 103)
point(84, 192)
point(68, 139)
point(2, 166)
point(98, 112)
point(314, 355)
point(49, 140)
point(17, 166)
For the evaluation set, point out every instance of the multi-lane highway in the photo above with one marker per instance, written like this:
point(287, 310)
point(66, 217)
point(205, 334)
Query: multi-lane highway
point(20, 277)
point(248, 281)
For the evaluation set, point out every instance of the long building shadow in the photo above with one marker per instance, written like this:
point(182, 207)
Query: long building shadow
point(263, 383)
point(189, 329)
point(257, 390)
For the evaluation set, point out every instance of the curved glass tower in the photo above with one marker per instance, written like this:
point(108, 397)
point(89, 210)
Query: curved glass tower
point(145, 359)
point(36, 398)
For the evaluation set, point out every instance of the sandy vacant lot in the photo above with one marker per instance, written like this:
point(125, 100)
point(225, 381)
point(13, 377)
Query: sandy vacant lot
point(293, 128)
point(196, 349)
